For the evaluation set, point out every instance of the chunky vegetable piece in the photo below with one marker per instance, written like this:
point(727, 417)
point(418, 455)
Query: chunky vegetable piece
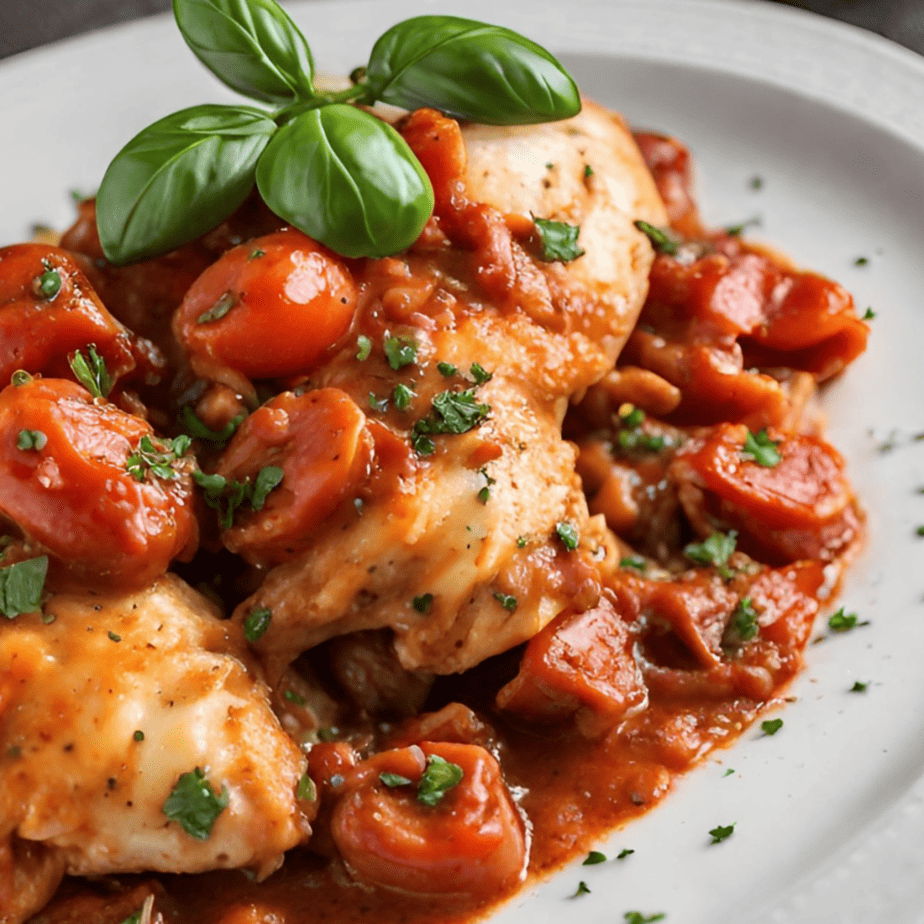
point(320, 443)
point(76, 496)
point(470, 842)
point(48, 310)
point(269, 308)
point(801, 507)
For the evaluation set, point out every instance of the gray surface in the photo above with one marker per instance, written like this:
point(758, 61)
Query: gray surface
point(28, 23)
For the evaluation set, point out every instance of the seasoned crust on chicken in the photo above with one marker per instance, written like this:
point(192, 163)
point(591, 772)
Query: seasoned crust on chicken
point(458, 579)
point(104, 704)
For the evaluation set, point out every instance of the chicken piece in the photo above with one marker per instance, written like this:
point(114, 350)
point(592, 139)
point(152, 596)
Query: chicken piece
point(117, 709)
point(459, 547)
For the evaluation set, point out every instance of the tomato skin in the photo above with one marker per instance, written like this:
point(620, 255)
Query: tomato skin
point(471, 843)
point(320, 441)
point(75, 496)
point(37, 333)
point(290, 300)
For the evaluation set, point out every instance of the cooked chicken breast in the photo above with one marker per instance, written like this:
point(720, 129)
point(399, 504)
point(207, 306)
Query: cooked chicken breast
point(462, 553)
point(109, 704)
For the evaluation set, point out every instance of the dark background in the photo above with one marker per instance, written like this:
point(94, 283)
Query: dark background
point(27, 23)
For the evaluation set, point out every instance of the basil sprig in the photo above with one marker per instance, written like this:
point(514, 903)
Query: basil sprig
point(330, 169)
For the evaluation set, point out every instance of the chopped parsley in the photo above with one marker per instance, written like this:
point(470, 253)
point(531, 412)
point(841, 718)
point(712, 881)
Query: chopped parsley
point(559, 241)
point(630, 437)
point(447, 369)
point(484, 495)
point(363, 348)
point(157, 458)
point(728, 772)
point(196, 428)
point(743, 625)
point(722, 832)
point(771, 726)
point(256, 622)
point(636, 917)
point(479, 374)
point(402, 396)
point(715, 551)
point(625, 852)
point(582, 889)
point(195, 805)
point(113, 637)
point(858, 687)
point(761, 449)
point(422, 603)
point(633, 561)
point(227, 496)
point(22, 585)
point(861, 261)
point(306, 789)
point(631, 416)
point(567, 534)
point(842, 621)
point(588, 170)
point(919, 531)
point(593, 858)
point(522, 542)
point(31, 440)
point(738, 230)
point(437, 779)
point(505, 600)
point(133, 918)
point(400, 352)
point(256, 254)
point(453, 412)
point(662, 241)
point(224, 304)
point(393, 780)
point(91, 372)
point(49, 283)
point(869, 314)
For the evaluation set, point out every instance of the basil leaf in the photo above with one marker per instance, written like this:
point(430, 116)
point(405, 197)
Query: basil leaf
point(470, 70)
point(195, 805)
point(250, 45)
point(348, 180)
point(22, 585)
point(178, 178)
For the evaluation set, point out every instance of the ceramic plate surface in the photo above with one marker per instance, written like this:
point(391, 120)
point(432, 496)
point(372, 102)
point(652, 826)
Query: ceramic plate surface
point(829, 812)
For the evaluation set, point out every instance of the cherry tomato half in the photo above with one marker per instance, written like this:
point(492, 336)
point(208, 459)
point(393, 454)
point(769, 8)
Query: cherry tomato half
point(269, 308)
point(65, 480)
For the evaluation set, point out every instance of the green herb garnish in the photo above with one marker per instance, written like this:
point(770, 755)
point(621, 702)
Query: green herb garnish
point(869, 314)
point(27, 440)
point(437, 779)
point(447, 369)
point(567, 534)
point(761, 449)
point(662, 241)
point(49, 283)
point(625, 852)
point(453, 412)
point(91, 372)
point(859, 687)
point(400, 352)
point(306, 789)
point(722, 832)
point(196, 428)
point(256, 622)
point(422, 603)
point(22, 585)
point(227, 496)
point(743, 625)
point(224, 304)
point(363, 348)
point(582, 889)
point(771, 726)
point(402, 397)
point(506, 600)
point(636, 917)
point(479, 374)
point(559, 241)
point(841, 621)
point(393, 780)
point(715, 551)
point(633, 561)
point(361, 192)
point(195, 805)
point(158, 458)
point(139, 735)
point(593, 858)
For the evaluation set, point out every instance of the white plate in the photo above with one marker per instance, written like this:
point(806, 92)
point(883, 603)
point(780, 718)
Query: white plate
point(830, 811)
